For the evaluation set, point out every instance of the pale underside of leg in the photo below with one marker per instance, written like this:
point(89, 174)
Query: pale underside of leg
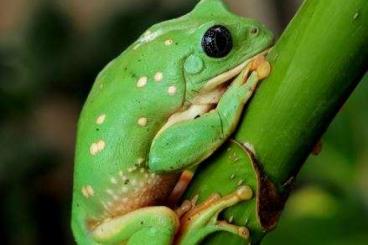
point(151, 225)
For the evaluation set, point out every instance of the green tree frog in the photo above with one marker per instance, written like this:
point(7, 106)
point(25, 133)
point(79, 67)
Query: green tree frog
point(162, 106)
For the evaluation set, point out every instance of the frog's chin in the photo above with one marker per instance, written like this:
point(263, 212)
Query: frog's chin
point(214, 88)
point(222, 79)
point(227, 77)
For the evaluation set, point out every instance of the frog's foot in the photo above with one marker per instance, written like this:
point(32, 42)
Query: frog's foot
point(261, 66)
point(202, 220)
point(145, 226)
point(241, 231)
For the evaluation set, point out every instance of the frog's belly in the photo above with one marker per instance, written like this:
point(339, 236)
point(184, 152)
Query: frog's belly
point(136, 191)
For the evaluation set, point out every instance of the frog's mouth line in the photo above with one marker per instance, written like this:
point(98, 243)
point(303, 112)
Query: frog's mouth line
point(210, 95)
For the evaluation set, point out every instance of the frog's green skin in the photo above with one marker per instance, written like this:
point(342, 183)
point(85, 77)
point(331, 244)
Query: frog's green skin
point(128, 157)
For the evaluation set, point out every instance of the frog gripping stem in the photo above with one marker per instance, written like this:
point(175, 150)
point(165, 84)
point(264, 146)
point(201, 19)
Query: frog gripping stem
point(236, 164)
point(202, 220)
point(147, 120)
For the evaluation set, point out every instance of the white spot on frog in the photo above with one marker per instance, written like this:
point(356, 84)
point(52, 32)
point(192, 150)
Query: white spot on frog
point(100, 119)
point(142, 81)
point(158, 76)
point(88, 191)
point(149, 36)
point(113, 180)
point(171, 90)
point(142, 121)
point(97, 147)
point(168, 42)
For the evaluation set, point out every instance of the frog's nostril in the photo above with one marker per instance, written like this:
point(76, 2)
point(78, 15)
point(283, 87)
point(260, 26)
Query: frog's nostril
point(254, 31)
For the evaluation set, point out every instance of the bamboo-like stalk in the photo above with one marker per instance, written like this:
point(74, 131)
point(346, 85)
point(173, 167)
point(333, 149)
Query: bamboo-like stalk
point(316, 64)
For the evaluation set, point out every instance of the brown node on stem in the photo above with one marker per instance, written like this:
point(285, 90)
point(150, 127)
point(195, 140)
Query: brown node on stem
point(270, 202)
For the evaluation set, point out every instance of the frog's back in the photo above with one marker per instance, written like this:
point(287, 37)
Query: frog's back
point(130, 101)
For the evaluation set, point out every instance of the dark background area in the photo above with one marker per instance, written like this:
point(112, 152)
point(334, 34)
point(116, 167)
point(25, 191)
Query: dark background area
point(50, 54)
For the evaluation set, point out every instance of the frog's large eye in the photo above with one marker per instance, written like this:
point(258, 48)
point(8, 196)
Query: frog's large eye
point(217, 41)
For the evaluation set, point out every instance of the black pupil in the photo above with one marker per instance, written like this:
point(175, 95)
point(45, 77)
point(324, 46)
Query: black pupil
point(217, 42)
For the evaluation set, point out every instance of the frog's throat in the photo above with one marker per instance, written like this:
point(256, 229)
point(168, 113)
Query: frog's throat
point(209, 95)
point(228, 75)
point(215, 82)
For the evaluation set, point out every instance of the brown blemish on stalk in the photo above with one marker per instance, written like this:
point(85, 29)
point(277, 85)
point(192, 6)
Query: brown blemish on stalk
point(269, 201)
point(317, 148)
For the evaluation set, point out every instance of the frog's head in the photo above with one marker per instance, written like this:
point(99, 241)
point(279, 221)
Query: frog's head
point(202, 50)
point(222, 44)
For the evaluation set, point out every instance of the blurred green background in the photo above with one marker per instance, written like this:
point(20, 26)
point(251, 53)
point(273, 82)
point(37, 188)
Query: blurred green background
point(50, 53)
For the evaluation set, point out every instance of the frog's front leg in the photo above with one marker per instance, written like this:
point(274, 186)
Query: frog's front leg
point(150, 225)
point(186, 143)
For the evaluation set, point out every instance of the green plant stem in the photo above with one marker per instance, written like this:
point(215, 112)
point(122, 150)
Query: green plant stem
point(316, 64)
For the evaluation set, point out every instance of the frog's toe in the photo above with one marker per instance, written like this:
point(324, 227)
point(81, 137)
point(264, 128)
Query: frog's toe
point(202, 220)
point(261, 66)
point(241, 231)
point(184, 208)
point(244, 192)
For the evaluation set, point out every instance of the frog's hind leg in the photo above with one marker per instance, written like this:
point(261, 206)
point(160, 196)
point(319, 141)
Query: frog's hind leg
point(180, 187)
point(203, 219)
point(145, 226)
